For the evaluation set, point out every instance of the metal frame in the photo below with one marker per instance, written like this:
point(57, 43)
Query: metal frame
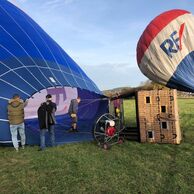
point(101, 125)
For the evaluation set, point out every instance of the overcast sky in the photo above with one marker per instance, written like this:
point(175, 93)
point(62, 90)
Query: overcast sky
point(100, 35)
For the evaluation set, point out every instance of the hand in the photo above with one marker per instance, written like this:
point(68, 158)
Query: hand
point(73, 115)
point(26, 102)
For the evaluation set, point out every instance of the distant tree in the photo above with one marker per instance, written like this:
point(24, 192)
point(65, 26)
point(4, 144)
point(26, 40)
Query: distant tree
point(150, 85)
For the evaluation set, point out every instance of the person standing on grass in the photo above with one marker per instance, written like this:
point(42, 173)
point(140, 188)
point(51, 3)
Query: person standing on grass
point(16, 120)
point(117, 105)
point(46, 118)
point(73, 110)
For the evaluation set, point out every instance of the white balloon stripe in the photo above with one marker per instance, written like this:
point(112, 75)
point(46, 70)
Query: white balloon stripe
point(77, 67)
point(87, 81)
point(15, 87)
point(32, 66)
point(68, 66)
point(4, 98)
point(31, 42)
point(48, 49)
point(5, 141)
point(18, 76)
point(4, 120)
point(71, 71)
point(26, 53)
point(83, 78)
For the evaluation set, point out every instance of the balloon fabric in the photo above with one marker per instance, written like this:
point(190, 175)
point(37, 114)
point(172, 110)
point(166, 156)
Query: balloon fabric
point(33, 65)
point(165, 51)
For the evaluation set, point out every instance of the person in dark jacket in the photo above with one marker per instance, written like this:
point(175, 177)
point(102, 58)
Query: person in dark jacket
point(46, 118)
point(16, 120)
point(73, 110)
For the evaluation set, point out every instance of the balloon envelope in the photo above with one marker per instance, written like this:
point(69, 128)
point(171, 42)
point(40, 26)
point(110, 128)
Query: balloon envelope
point(33, 65)
point(165, 51)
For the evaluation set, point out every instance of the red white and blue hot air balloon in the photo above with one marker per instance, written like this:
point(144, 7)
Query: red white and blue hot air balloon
point(165, 51)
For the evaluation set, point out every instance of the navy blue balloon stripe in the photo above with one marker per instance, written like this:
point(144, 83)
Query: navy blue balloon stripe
point(183, 77)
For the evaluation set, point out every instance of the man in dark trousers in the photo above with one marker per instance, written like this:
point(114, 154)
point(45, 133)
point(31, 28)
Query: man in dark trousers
point(46, 118)
point(73, 110)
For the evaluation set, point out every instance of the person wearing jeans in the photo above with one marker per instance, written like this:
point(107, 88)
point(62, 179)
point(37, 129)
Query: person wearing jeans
point(16, 120)
point(51, 134)
point(14, 129)
point(46, 118)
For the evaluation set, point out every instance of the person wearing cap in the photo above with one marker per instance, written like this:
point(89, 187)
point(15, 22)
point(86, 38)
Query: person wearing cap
point(16, 120)
point(73, 110)
point(46, 118)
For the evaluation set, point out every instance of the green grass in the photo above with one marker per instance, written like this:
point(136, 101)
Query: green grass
point(84, 168)
point(130, 113)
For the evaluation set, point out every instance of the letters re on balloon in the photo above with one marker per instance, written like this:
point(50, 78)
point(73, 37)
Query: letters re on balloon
point(165, 51)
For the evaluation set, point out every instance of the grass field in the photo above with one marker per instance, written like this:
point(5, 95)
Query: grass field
point(84, 168)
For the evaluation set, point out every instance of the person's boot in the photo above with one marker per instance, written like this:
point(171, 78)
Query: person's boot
point(71, 130)
point(75, 130)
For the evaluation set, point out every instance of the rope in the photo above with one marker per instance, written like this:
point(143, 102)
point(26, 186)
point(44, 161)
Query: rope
point(91, 101)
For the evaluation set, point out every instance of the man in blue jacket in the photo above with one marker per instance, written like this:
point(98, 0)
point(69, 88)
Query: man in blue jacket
point(73, 110)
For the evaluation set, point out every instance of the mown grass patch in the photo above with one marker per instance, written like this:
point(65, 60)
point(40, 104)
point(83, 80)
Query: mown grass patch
point(85, 168)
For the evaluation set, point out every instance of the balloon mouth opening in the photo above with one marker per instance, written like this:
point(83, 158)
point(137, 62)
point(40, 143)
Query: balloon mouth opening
point(60, 95)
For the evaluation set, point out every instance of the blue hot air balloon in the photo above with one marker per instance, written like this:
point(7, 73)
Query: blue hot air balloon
point(165, 51)
point(33, 65)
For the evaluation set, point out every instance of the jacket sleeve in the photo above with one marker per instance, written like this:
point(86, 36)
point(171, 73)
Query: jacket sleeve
point(75, 107)
point(54, 107)
point(8, 111)
point(70, 108)
point(26, 103)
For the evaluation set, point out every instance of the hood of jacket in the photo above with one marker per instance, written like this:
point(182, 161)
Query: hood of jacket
point(15, 103)
point(15, 111)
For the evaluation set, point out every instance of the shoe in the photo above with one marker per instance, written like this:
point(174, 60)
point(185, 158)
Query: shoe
point(23, 147)
point(41, 149)
point(16, 149)
point(71, 130)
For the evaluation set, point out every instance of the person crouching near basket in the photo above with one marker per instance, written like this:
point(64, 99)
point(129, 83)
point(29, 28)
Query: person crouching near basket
point(73, 110)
